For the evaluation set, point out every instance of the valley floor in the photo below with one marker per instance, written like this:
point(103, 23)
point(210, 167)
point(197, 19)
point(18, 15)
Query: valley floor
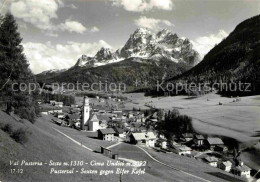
point(239, 120)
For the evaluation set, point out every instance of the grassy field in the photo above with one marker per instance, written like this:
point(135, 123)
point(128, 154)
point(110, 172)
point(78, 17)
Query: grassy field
point(239, 120)
point(191, 166)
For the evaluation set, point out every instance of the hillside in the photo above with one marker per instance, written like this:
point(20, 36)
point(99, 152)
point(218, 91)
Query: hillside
point(236, 58)
point(126, 71)
point(45, 144)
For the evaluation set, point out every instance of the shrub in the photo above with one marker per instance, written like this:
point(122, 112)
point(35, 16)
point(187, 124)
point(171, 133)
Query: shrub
point(7, 128)
point(19, 136)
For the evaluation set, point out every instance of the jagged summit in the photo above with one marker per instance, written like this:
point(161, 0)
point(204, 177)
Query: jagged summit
point(145, 44)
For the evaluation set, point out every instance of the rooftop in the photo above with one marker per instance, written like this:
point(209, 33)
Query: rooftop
point(187, 135)
point(199, 137)
point(242, 168)
point(107, 131)
point(211, 159)
point(215, 141)
point(144, 136)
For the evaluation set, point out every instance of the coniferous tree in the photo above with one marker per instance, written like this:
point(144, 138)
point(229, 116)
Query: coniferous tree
point(14, 70)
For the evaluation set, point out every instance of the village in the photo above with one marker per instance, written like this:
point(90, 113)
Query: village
point(105, 118)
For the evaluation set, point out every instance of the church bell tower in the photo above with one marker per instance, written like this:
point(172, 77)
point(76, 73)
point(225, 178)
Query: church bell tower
point(85, 113)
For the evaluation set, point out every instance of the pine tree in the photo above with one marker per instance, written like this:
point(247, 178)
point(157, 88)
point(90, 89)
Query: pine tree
point(14, 68)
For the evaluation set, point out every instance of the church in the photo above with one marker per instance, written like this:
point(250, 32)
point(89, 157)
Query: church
point(87, 123)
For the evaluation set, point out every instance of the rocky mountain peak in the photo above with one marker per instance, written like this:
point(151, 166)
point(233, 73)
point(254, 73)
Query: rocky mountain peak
point(163, 33)
point(147, 45)
point(104, 54)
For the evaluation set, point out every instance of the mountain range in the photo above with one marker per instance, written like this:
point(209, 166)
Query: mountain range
point(166, 57)
point(145, 56)
point(146, 45)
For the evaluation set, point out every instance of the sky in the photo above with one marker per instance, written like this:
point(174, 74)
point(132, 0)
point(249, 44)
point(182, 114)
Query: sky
point(57, 32)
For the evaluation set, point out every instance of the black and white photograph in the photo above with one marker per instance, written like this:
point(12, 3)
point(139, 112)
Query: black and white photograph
point(129, 90)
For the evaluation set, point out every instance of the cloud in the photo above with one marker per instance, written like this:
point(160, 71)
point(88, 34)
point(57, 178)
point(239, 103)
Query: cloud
point(38, 13)
point(204, 44)
point(41, 13)
point(94, 29)
point(73, 26)
point(152, 24)
point(143, 5)
point(48, 56)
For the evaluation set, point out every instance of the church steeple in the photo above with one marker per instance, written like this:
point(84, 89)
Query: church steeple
point(85, 113)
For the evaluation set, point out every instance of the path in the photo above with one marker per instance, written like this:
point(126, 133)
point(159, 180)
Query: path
point(111, 146)
point(73, 140)
point(174, 168)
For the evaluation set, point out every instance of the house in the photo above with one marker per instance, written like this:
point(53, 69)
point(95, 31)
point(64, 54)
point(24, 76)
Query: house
point(161, 143)
point(182, 149)
point(59, 104)
point(106, 134)
point(102, 111)
point(212, 142)
point(75, 110)
point(52, 102)
point(212, 161)
point(117, 111)
point(73, 117)
point(186, 137)
point(241, 170)
point(44, 112)
point(139, 118)
point(120, 132)
point(198, 140)
point(225, 165)
point(143, 138)
point(59, 115)
point(74, 105)
point(103, 121)
point(50, 112)
point(130, 115)
point(154, 117)
point(57, 110)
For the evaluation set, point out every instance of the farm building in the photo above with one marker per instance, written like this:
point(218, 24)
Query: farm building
point(144, 138)
point(52, 102)
point(120, 132)
point(211, 161)
point(161, 143)
point(44, 112)
point(57, 110)
point(198, 140)
point(73, 117)
point(213, 143)
point(182, 149)
point(59, 115)
point(226, 166)
point(241, 170)
point(186, 137)
point(106, 134)
point(74, 105)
